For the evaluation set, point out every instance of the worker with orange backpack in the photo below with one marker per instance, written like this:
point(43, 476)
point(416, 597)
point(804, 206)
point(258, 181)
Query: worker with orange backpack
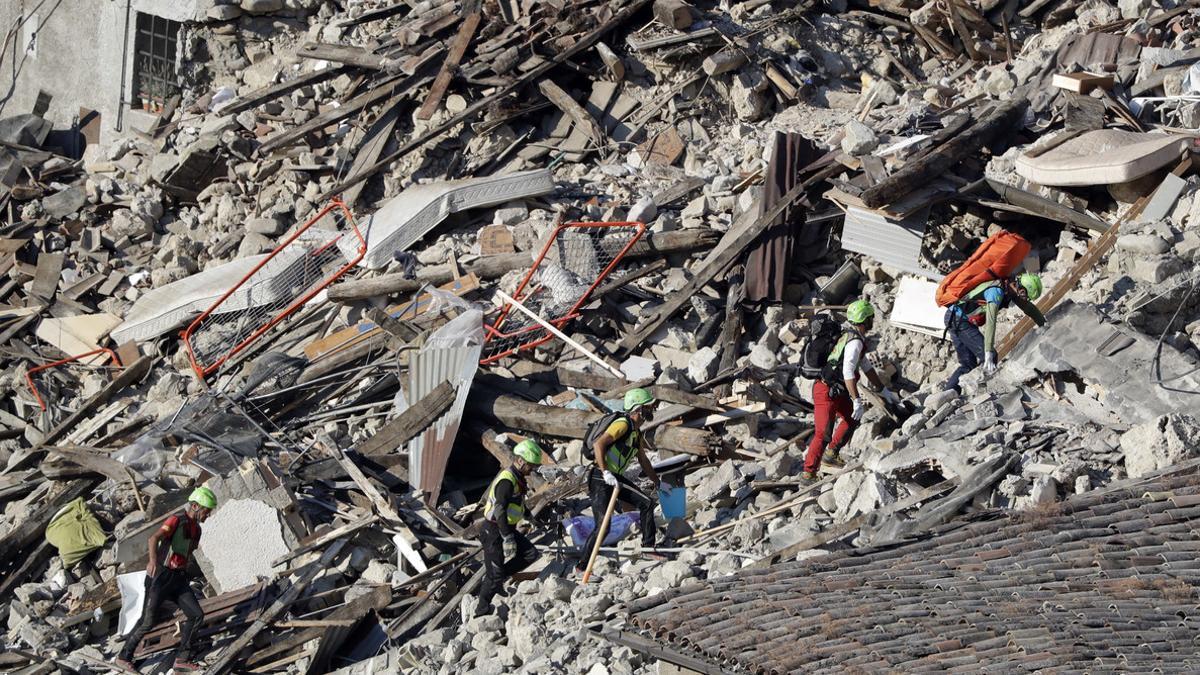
point(979, 308)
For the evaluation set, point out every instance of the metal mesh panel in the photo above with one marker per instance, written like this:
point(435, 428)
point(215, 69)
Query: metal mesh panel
point(303, 265)
point(576, 259)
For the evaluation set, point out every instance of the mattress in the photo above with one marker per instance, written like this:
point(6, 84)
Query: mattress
point(1102, 157)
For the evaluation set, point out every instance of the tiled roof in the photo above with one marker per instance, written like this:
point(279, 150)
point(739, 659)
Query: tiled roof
point(1105, 581)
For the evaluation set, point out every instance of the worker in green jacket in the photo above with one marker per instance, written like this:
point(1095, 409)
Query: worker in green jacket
point(505, 550)
point(980, 308)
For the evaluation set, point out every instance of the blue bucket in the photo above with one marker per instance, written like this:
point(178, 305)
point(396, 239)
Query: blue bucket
point(673, 502)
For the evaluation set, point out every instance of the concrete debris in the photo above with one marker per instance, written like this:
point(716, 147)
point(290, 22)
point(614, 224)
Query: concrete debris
point(332, 262)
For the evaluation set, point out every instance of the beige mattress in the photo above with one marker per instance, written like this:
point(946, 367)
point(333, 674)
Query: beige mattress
point(1102, 157)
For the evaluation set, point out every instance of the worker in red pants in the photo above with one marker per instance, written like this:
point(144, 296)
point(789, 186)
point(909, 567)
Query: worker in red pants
point(836, 395)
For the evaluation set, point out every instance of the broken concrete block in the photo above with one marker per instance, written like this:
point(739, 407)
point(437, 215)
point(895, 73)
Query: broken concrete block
point(231, 559)
point(1144, 244)
point(224, 12)
point(1159, 443)
point(62, 204)
point(762, 356)
point(859, 139)
point(859, 492)
point(511, 214)
point(261, 6)
point(702, 367)
point(643, 211)
point(639, 368)
point(1156, 269)
point(747, 92)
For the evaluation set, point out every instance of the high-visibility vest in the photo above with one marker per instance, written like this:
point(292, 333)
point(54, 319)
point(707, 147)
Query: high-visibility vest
point(835, 356)
point(622, 451)
point(515, 508)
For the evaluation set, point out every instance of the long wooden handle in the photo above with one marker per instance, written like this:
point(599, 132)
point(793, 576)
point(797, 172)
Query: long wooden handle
point(612, 504)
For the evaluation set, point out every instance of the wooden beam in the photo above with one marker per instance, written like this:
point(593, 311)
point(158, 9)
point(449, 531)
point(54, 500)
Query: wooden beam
point(372, 145)
point(534, 75)
point(274, 91)
point(921, 171)
point(517, 413)
point(322, 539)
point(409, 423)
point(1098, 249)
point(390, 86)
point(571, 108)
point(1046, 208)
point(457, 49)
point(729, 249)
point(491, 267)
point(352, 612)
point(347, 54)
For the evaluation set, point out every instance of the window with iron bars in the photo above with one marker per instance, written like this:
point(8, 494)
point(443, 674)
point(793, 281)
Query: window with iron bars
point(155, 46)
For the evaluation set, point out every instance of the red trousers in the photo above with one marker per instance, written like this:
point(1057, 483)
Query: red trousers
point(825, 410)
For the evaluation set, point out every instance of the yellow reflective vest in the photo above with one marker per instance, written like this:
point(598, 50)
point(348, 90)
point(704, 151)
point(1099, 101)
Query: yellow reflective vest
point(515, 508)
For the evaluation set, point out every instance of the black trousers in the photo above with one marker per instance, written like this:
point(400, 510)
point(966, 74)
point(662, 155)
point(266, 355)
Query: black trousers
point(600, 492)
point(170, 585)
point(495, 569)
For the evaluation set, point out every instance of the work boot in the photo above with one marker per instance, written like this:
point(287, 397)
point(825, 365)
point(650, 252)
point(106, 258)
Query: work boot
point(808, 476)
point(833, 457)
point(185, 665)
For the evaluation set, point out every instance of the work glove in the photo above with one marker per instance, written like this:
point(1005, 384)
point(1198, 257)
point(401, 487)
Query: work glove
point(989, 363)
point(662, 485)
point(857, 414)
point(890, 396)
point(610, 478)
point(510, 547)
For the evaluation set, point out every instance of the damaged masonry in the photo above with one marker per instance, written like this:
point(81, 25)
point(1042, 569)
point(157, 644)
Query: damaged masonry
point(332, 331)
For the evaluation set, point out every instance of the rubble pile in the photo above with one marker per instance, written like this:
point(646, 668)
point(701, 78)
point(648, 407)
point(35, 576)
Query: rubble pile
point(373, 245)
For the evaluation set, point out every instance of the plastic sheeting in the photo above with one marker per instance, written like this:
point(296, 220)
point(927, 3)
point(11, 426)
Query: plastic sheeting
point(75, 532)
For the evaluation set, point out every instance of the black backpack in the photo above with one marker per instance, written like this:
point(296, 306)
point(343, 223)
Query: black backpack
point(597, 429)
point(823, 334)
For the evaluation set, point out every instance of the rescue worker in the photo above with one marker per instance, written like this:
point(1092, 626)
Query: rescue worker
point(612, 453)
point(171, 547)
point(836, 397)
point(505, 550)
point(979, 308)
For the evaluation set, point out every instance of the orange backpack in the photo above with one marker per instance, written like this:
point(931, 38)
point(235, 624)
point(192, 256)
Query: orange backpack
point(996, 258)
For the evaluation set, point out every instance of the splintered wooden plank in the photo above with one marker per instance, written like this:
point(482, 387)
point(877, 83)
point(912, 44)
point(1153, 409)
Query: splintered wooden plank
point(354, 56)
point(372, 146)
point(348, 337)
point(411, 422)
point(45, 279)
point(457, 49)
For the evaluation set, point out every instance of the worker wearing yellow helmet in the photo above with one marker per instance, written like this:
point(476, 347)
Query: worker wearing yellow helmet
point(170, 549)
point(505, 550)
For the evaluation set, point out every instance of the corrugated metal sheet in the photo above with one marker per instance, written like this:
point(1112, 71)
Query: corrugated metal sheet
point(410, 215)
point(448, 355)
point(896, 243)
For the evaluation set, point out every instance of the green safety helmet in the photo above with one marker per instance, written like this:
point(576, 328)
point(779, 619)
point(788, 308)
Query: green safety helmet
point(1032, 284)
point(859, 311)
point(637, 397)
point(529, 451)
point(204, 497)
